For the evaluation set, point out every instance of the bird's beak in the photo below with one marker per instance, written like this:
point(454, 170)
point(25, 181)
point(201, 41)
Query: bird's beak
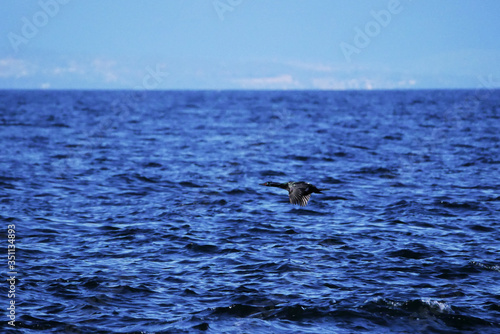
point(262, 184)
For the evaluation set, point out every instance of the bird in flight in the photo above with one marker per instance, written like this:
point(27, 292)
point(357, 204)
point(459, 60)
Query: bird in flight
point(299, 192)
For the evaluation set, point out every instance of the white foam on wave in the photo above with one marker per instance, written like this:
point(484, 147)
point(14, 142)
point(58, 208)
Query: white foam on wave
point(435, 305)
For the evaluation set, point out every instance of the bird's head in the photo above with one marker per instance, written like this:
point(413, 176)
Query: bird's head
point(267, 184)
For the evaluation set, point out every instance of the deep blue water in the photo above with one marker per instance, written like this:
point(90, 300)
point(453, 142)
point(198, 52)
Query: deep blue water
point(141, 211)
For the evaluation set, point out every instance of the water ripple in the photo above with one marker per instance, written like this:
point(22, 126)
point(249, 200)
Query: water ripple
point(142, 211)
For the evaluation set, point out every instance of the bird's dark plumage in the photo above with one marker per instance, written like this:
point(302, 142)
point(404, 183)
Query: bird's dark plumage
point(299, 192)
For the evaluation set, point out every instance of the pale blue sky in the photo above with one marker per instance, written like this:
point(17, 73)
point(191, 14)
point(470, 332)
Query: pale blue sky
point(250, 44)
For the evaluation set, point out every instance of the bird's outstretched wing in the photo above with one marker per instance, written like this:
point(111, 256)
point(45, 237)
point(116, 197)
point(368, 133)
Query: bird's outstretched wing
point(298, 196)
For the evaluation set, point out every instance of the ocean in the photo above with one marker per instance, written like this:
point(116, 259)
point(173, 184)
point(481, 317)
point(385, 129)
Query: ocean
point(141, 211)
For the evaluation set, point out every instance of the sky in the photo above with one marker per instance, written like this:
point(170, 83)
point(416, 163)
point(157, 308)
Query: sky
point(250, 44)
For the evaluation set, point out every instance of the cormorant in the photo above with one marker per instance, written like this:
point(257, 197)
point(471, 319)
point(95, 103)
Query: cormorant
point(299, 192)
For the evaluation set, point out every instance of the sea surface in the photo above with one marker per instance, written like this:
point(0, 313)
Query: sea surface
point(141, 212)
